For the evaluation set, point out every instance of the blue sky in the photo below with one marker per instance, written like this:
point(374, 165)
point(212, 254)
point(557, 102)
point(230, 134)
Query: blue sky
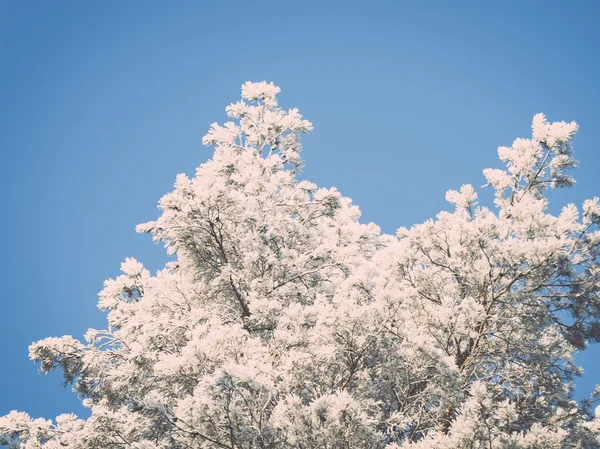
point(103, 103)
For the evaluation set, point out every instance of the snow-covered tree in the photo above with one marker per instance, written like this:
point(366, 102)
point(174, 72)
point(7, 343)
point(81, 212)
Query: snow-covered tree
point(283, 322)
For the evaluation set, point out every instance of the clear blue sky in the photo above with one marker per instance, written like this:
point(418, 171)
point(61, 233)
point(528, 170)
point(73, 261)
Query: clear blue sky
point(103, 103)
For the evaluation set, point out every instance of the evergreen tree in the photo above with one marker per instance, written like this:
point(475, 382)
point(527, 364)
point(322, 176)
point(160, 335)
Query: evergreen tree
point(283, 322)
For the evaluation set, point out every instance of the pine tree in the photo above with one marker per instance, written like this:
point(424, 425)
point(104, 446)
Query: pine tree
point(283, 322)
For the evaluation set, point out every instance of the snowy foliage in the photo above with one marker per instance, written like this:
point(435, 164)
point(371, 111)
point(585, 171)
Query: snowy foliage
point(283, 322)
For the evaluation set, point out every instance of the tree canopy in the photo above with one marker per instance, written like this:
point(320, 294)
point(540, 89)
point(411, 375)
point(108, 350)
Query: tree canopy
point(284, 322)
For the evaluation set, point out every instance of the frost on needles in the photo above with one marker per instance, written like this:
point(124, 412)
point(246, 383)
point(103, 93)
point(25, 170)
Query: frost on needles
point(285, 323)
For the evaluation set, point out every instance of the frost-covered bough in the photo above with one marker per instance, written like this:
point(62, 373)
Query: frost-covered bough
point(282, 322)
